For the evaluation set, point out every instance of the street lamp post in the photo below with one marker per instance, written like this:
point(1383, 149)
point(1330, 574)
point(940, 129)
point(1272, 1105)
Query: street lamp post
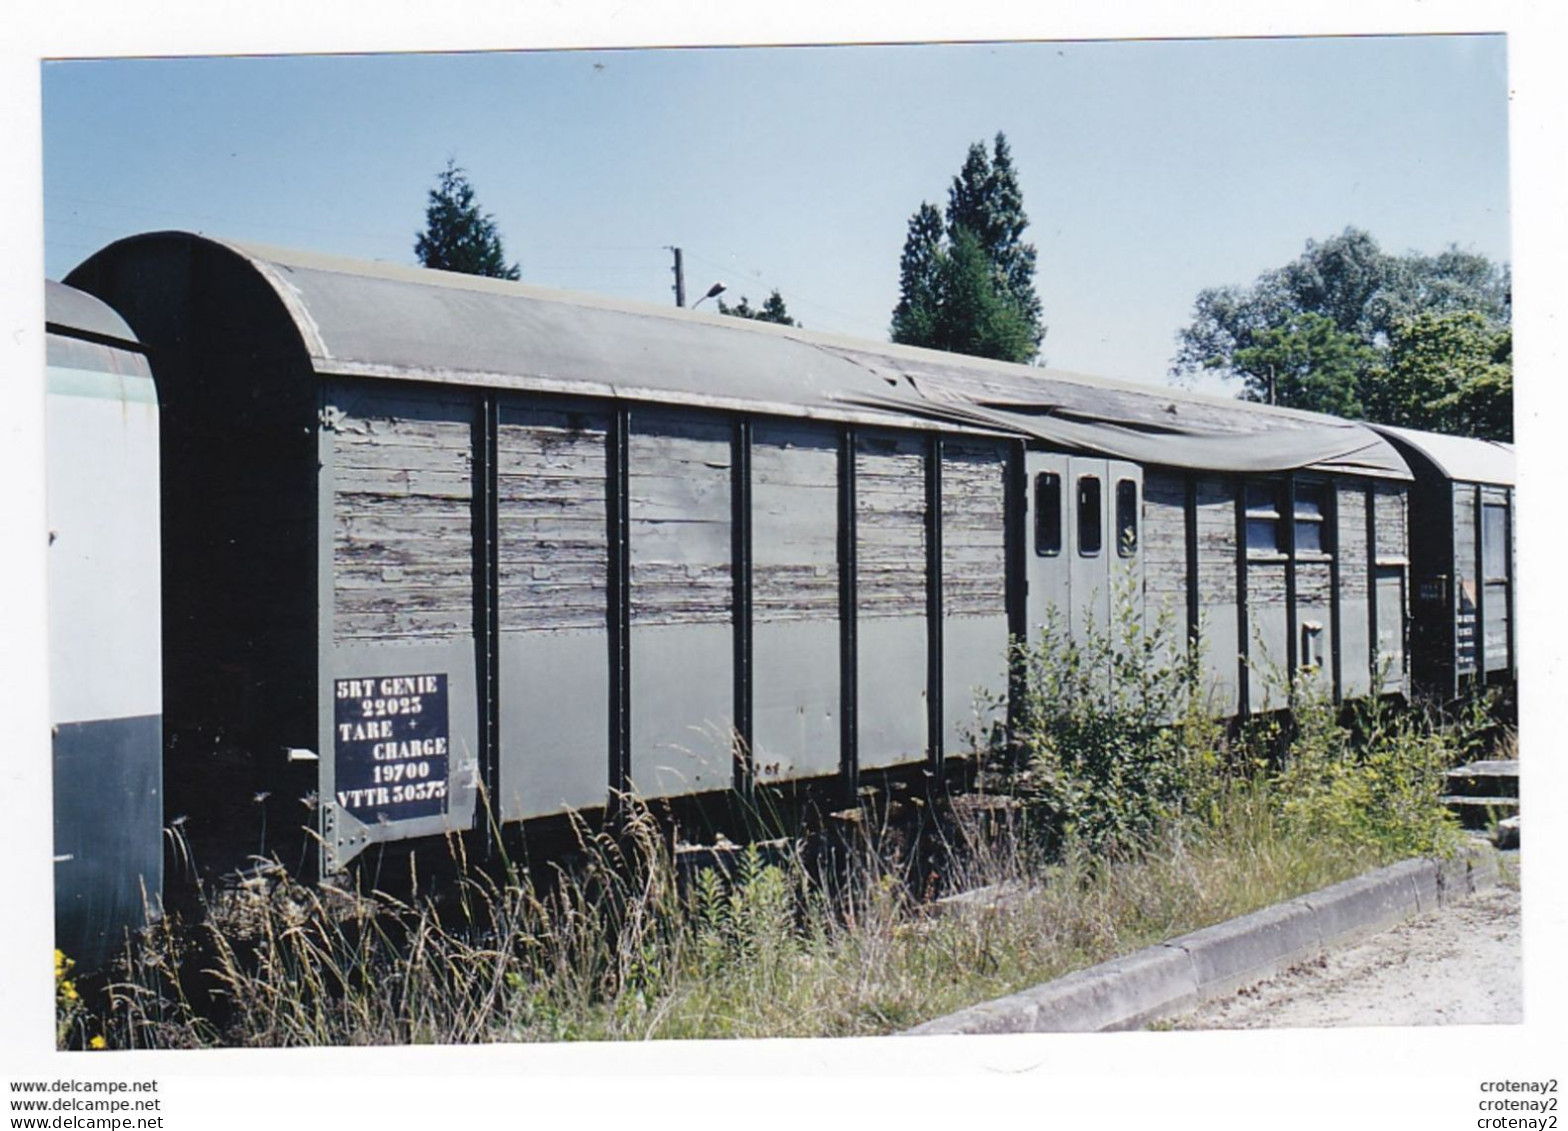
point(716, 289)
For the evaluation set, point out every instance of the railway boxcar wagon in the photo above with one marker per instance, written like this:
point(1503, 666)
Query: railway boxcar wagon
point(1462, 533)
point(104, 686)
point(434, 543)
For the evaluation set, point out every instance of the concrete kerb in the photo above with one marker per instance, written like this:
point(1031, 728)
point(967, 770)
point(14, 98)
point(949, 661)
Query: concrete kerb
point(1131, 991)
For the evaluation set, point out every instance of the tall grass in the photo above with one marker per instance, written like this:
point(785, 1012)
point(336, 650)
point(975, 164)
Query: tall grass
point(1119, 814)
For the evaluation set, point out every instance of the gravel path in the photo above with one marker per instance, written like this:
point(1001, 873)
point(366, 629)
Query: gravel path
point(1459, 966)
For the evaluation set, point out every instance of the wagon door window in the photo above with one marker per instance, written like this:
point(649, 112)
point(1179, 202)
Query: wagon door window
point(1089, 534)
point(1311, 503)
point(1263, 513)
point(1126, 518)
point(1047, 514)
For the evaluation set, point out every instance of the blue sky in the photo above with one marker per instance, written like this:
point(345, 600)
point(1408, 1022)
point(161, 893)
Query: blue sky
point(1149, 169)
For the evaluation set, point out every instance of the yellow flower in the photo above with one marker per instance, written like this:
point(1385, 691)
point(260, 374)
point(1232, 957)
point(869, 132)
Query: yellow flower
point(97, 1043)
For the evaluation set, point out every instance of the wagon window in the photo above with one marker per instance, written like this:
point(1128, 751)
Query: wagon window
point(1311, 505)
point(1494, 532)
point(1263, 517)
point(1089, 536)
point(1047, 514)
point(1126, 517)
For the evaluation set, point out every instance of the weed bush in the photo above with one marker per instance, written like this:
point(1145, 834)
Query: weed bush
point(1113, 738)
point(1374, 780)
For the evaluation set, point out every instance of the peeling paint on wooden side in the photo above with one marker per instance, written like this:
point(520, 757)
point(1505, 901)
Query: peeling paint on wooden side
point(1391, 532)
point(890, 503)
point(974, 518)
point(402, 480)
point(794, 499)
point(1216, 542)
point(974, 591)
point(1165, 540)
point(1350, 541)
point(1464, 529)
point(1314, 584)
point(1266, 583)
point(551, 508)
point(679, 504)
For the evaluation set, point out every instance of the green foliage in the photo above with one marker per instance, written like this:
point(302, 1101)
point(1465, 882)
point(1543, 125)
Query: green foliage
point(1375, 783)
point(1447, 373)
point(458, 236)
point(977, 318)
point(1112, 729)
point(1354, 325)
point(966, 282)
point(1306, 363)
point(773, 310)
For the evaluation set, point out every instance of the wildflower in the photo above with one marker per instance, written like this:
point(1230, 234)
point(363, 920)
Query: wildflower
point(98, 1043)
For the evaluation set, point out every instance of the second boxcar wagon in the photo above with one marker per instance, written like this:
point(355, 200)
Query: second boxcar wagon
point(104, 688)
point(433, 542)
point(1463, 624)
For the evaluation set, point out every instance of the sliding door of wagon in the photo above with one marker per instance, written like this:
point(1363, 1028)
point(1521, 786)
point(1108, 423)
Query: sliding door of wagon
point(552, 576)
point(795, 601)
point(398, 713)
point(1124, 550)
point(1091, 546)
point(1047, 570)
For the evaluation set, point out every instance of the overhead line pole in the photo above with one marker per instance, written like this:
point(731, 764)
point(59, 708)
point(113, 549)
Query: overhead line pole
point(680, 278)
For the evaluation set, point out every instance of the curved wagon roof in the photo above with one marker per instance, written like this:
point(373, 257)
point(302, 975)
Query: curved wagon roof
point(85, 336)
point(356, 318)
point(1458, 457)
point(78, 314)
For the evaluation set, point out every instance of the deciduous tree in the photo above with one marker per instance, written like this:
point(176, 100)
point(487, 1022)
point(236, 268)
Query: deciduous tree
point(1449, 372)
point(1348, 329)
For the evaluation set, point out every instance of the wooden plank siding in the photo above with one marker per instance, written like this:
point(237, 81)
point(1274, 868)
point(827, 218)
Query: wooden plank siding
point(1218, 590)
point(891, 709)
point(890, 507)
point(1354, 591)
point(974, 563)
point(1351, 540)
point(1392, 522)
point(1164, 545)
point(679, 484)
point(974, 591)
point(402, 551)
point(794, 472)
point(551, 506)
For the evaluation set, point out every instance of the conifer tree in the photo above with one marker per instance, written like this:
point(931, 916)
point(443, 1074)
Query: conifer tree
point(457, 235)
point(984, 204)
